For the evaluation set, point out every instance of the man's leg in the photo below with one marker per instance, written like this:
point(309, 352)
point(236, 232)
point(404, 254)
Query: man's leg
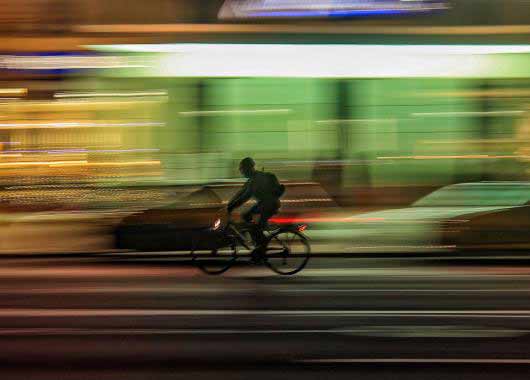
point(254, 228)
point(266, 212)
point(247, 215)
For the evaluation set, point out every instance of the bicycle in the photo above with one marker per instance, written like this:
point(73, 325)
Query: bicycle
point(286, 250)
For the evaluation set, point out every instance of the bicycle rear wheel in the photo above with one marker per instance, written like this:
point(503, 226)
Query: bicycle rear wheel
point(217, 260)
point(287, 252)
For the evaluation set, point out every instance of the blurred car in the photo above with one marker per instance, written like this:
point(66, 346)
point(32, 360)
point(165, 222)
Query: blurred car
point(467, 216)
point(197, 218)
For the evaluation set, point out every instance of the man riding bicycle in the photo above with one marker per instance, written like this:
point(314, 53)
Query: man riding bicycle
point(267, 191)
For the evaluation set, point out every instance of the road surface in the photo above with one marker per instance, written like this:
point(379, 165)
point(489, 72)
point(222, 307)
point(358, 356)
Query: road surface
point(139, 316)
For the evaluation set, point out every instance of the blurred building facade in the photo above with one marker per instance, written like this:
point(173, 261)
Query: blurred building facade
point(41, 16)
point(75, 113)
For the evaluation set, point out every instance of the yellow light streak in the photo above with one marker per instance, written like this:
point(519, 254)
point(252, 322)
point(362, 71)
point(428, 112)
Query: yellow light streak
point(13, 91)
point(60, 95)
point(60, 164)
point(290, 28)
point(70, 125)
point(70, 105)
point(39, 163)
point(107, 164)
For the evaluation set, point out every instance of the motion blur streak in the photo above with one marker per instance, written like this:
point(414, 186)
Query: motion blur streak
point(400, 131)
point(155, 302)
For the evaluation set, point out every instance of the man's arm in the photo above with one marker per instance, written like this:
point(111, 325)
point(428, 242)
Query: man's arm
point(241, 197)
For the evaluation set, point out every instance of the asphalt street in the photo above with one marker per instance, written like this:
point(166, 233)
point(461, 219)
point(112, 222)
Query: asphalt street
point(156, 316)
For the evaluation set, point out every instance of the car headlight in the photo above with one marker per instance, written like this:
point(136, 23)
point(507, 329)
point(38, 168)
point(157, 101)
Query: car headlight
point(216, 224)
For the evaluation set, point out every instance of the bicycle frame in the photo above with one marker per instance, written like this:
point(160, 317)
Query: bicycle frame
point(237, 234)
point(241, 240)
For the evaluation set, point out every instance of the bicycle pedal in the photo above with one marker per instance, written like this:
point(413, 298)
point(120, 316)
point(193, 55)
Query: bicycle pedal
point(257, 260)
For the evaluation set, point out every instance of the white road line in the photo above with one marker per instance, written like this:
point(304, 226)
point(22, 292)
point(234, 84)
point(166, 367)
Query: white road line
point(95, 272)
point(110, 331)
point(177, 290)
point(405, 291)
point(416, 360)
point(380, 332)
point(221, 291)
point(408, 273)
point(42, 312)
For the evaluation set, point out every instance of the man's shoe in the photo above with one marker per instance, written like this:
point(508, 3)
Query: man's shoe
point(256, 258)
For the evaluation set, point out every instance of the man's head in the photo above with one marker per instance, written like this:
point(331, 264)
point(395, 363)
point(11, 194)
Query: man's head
point(246, 167)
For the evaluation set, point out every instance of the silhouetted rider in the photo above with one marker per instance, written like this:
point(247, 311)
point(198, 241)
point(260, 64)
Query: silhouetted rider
point(262, 186)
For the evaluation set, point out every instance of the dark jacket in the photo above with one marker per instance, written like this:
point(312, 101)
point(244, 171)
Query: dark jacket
point(262, 186)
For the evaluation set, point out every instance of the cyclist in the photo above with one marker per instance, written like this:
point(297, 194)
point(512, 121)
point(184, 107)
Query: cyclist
point(267, 191)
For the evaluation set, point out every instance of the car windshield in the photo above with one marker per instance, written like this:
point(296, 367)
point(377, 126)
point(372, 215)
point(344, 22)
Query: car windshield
point(477, 195)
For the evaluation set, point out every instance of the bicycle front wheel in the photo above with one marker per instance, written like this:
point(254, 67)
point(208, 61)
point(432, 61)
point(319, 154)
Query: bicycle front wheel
point(287, 252)
point(216, 260)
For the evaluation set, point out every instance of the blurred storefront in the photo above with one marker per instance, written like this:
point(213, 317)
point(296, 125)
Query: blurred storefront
point(439, 114)
point(63, 129)
point(381, 110)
